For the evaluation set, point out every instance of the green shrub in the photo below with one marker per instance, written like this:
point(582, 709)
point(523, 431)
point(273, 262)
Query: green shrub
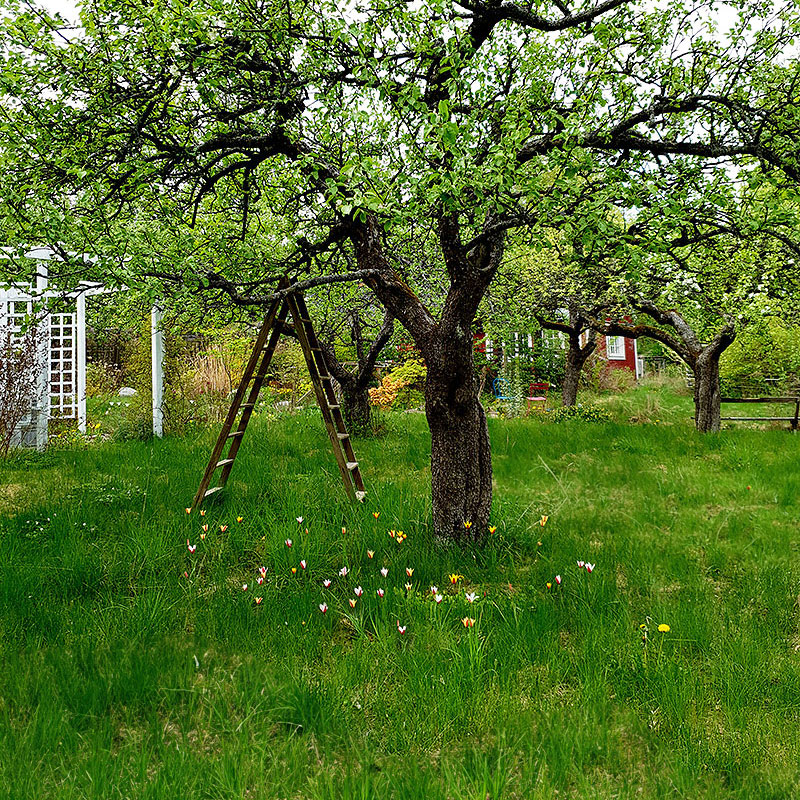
point(586, 413)
point(402, 387)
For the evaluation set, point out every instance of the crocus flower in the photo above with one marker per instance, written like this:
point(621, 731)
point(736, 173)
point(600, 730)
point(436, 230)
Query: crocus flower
point(492, 529)
point(581, 564)
point(326, 583)
point(467, 525)
point(223, 528)
point(344, 530)
point(401, 629)
point(409, 587)
point(455, 578)
point(437, 598)
point(294, 570)
point(205, 528)
point(343, 571)
point(352, 603)
point(380, 592)
point(384, 571)
point(299, 520)
point(260, 580)
point(400, 536)
point(370, 553)
point(185, 574)
point(470, 596)
point(188, 510)
point(192, 547)
point(244, 587)
point(323, 607)
point(358, 591)
point(259, 600)
point(392, 534)
point(239, 519)
point(288, 542)
point(467, 622)
point(543, 520)
point(376, 514)
point(303, 563)
point(409, 571)
point(558, 580)
point(549, 585)
point(263, 571)
point(202, 536)
point(202, 513)
point(589, 567)
point(434, 589)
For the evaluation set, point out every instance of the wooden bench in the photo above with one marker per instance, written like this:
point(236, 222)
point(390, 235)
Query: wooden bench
point(793, 420)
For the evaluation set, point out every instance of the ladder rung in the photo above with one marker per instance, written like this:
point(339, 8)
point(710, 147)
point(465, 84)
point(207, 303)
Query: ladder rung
point(343, 435)
point(333, 406)
point(306, 320)
point(351, 465)
point(247, 405)
point(214, 490)
point(235, 434)
point(325, 378)
point(224, 462)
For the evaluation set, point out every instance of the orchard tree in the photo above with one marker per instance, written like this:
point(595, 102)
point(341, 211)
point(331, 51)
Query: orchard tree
point(317, 126)
point(352, 327)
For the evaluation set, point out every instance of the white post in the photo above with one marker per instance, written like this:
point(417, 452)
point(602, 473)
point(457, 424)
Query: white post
point(80, 342)
point(157, 359)
point(43, 383)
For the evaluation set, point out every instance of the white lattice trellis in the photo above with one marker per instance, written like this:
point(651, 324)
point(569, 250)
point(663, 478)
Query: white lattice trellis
point(61, 387)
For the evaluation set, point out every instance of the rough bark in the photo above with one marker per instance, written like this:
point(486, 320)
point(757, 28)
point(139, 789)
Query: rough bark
point(707, 392)
point(461, 462)
point(356, 407)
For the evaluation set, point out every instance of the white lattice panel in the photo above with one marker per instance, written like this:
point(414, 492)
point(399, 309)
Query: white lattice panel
point(63, 366)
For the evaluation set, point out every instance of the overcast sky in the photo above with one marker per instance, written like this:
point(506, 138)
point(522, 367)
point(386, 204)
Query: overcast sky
point(724, 13)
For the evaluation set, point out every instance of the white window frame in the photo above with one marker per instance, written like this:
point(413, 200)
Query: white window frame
point(615, 348)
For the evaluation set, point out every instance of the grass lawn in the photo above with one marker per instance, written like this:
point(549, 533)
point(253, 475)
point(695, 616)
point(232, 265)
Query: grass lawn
point(130, 667)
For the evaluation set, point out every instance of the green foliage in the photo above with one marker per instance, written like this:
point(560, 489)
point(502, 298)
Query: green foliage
point(402, 387)
point(765, 357)
point(580, 412)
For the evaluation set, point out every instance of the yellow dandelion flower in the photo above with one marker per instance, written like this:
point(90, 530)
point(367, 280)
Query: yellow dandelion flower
point(662, 628)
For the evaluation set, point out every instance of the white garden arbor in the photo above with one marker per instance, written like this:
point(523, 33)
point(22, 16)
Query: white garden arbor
point(61, 382)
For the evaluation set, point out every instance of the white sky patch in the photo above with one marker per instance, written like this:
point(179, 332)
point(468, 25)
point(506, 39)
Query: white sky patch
point(67, 8)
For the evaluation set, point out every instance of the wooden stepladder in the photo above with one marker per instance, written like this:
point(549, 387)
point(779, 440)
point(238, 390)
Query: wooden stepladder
point(255, 374)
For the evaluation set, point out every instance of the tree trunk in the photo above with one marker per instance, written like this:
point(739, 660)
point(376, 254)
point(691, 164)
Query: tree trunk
point(356, 407)
point(573, 364)
point(707, 392)
point(461, 462)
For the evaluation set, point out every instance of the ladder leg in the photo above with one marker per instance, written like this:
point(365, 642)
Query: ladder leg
point(236, 403)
